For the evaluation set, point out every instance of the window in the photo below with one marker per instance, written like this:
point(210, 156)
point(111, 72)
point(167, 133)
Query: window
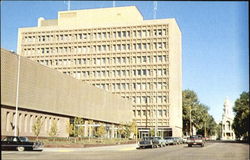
point(139, 112)
point(123, 59)
point(124, 33)
point(134, 86)
point(139, 72)
point(139, 46)
point(123, 73)
point(119, 47)
point(144, 72)
point(160, 112)
point(134, 72)
point(99, 36)
point(119, 34)
point(123, 46)
point(128, 46)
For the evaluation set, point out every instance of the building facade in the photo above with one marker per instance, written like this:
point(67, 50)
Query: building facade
point(116, 50)
point(227, 121)
point(52, 96)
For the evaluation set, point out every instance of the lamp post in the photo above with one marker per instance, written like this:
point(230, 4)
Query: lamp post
point(17, 94)
point(190, 123)
point(146, 112)
point(156, 105)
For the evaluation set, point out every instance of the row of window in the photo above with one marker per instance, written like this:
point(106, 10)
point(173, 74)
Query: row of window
point(144, 113)
point(106, 60)
point(98, 48)
point(97, 36)
point(118, 73)
point(27, 121)
point(146, 100)
point(133, 86)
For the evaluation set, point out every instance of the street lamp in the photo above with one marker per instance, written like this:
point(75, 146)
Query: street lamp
point(17, 94)
point(190, 130)
point(156, 104)
point(146, 112)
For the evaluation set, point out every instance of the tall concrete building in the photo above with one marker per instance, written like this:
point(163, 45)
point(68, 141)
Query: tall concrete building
point(116, 50)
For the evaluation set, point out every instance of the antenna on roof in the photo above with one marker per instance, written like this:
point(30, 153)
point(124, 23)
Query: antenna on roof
point(68, 4)
point(155, 9)
point(113, 3)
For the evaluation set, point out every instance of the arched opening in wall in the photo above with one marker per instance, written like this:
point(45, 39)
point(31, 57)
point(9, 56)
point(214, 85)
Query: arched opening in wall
point(13, 121)
point(25, 122)
point(31, 123)
point(20, 120)
point(45, 124)
point(7, 121)
point(228, 127)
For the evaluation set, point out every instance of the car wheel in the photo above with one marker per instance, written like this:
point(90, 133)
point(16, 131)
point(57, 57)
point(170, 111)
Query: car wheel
point(189, 145)
point(20, 149)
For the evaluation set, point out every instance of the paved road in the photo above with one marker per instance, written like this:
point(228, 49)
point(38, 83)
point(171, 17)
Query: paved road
point(211, 151)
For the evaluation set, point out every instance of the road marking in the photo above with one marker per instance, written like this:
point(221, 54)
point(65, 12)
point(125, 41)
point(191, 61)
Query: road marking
point(128, 149)
point(65, 151)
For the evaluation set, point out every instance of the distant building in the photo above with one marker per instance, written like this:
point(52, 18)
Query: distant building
point(116, 50)
point(227, 121)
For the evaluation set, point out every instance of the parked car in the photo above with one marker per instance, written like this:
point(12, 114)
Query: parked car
point(178, 140)
point(19, 143)
point(195, 140)
point(184, 139)
point(170, 140)
point(152, 142)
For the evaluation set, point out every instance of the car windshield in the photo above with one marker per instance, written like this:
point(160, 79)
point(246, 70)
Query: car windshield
point(195, 137)
point(147, 138)
point(23, 139)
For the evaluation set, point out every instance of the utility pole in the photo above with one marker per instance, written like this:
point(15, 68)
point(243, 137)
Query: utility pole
point(17, 94)
point(68, 5)
point(146, 112)
point(205, 131)
point(156, 105)
point(190, 125)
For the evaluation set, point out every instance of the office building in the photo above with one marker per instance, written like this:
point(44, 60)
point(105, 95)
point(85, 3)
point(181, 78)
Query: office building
point(117, 50)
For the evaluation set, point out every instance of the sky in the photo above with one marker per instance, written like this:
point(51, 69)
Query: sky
point(215, 40)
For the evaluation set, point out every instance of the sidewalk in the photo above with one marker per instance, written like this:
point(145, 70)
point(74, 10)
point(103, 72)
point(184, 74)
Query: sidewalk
point(122, 147)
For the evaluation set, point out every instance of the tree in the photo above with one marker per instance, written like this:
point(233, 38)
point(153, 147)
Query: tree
point(69, 128)
point(53, 129)
point(36, 128)
point(134, 129)
point(189, 101)
point(241, 119)
point(198, 113)
point(91, 131)
point(124, 130)
point(152, 132)
point(101, 131)
point(78, 128)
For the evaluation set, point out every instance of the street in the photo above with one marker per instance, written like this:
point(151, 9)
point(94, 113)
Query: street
point(211, 151)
